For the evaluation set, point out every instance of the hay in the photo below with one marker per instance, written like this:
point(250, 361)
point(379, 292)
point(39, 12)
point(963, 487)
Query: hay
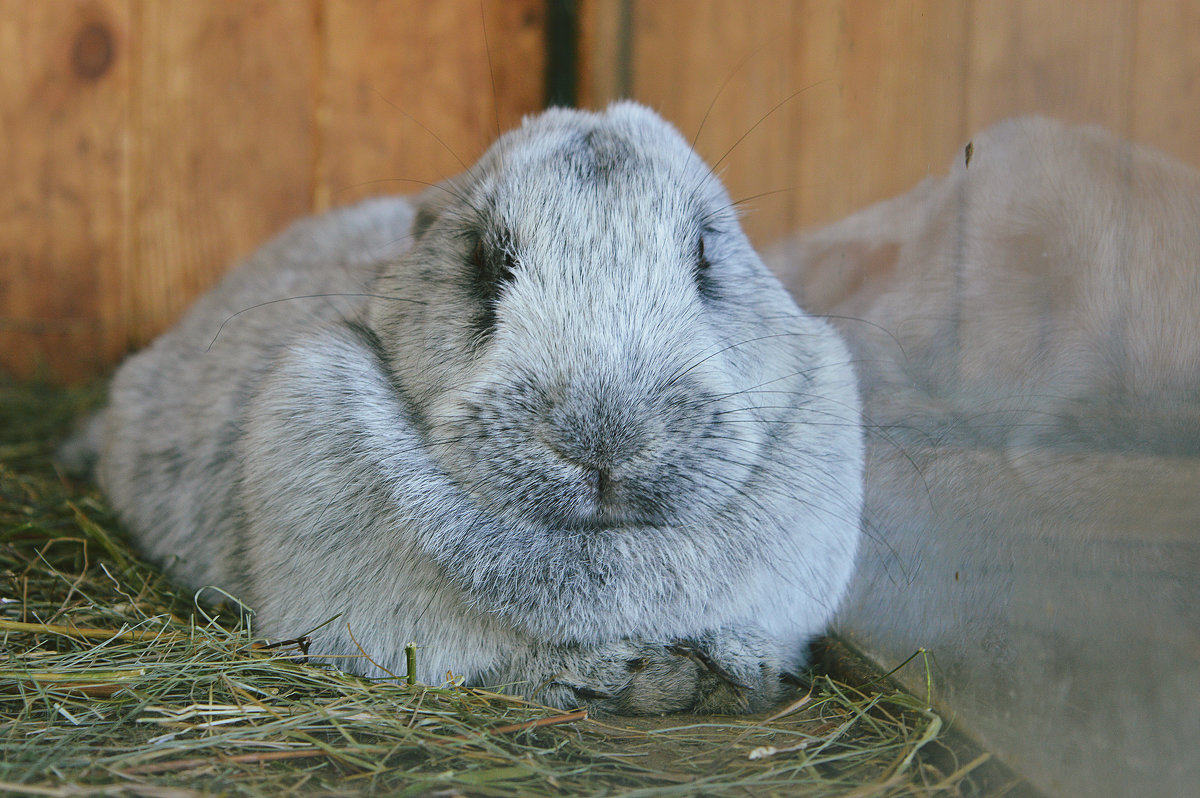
point(113, 683)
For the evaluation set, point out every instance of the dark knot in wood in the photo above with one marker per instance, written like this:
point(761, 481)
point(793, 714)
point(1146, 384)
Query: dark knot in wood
point(93, 51)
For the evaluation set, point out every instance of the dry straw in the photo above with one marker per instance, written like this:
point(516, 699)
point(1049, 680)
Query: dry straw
point(112, 683)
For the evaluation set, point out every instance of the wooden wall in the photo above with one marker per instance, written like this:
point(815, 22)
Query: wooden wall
point(144, 144)
point(147, 143)
point(877, 94)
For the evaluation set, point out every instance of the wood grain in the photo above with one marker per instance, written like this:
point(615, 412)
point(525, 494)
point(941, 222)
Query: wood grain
point(64, 112)
point(150, 144)
point(223, 144)
point(811, 109)
point(147, 144)
point(890, 91)
point(1069, 60)
point(720, 75)
point(407, 89)
point(890, 113)
point(1165, 101)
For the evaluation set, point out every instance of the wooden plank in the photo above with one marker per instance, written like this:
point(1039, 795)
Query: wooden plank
point(150, 143)
point(825, 94)
point(1166, 86)
point(408, 89)
point(1069, 60)
point(690, 57)
point(223, 143)
point(64, 105)
point(892, 110)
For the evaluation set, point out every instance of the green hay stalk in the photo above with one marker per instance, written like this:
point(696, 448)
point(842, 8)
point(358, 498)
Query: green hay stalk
point(112, 682)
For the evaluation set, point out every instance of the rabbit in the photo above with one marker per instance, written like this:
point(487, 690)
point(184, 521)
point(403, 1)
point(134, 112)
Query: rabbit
point(552, 420)
point(1025, 328)
point(1040, 295)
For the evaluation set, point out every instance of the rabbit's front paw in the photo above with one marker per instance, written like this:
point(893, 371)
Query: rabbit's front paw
point(712, 674)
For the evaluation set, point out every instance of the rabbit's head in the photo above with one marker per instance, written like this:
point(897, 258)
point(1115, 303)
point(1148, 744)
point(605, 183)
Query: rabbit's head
point(596, 353)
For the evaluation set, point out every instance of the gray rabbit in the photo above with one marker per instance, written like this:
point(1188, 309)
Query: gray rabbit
point(552, 420)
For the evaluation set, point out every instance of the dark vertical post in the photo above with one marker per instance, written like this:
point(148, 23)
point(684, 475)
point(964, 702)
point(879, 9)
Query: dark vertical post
point(562, 51)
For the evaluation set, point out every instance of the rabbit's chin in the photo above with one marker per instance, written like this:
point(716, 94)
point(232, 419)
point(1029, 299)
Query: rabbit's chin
point(583, 506)
point(532, 485)
point(605, 519)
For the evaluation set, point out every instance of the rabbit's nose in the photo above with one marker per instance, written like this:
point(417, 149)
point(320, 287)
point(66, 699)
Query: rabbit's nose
point(598, 434)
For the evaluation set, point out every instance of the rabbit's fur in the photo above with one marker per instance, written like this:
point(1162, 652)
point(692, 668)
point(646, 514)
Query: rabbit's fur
point(553, 421)
point(1041, 294)
point(1027, 334)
